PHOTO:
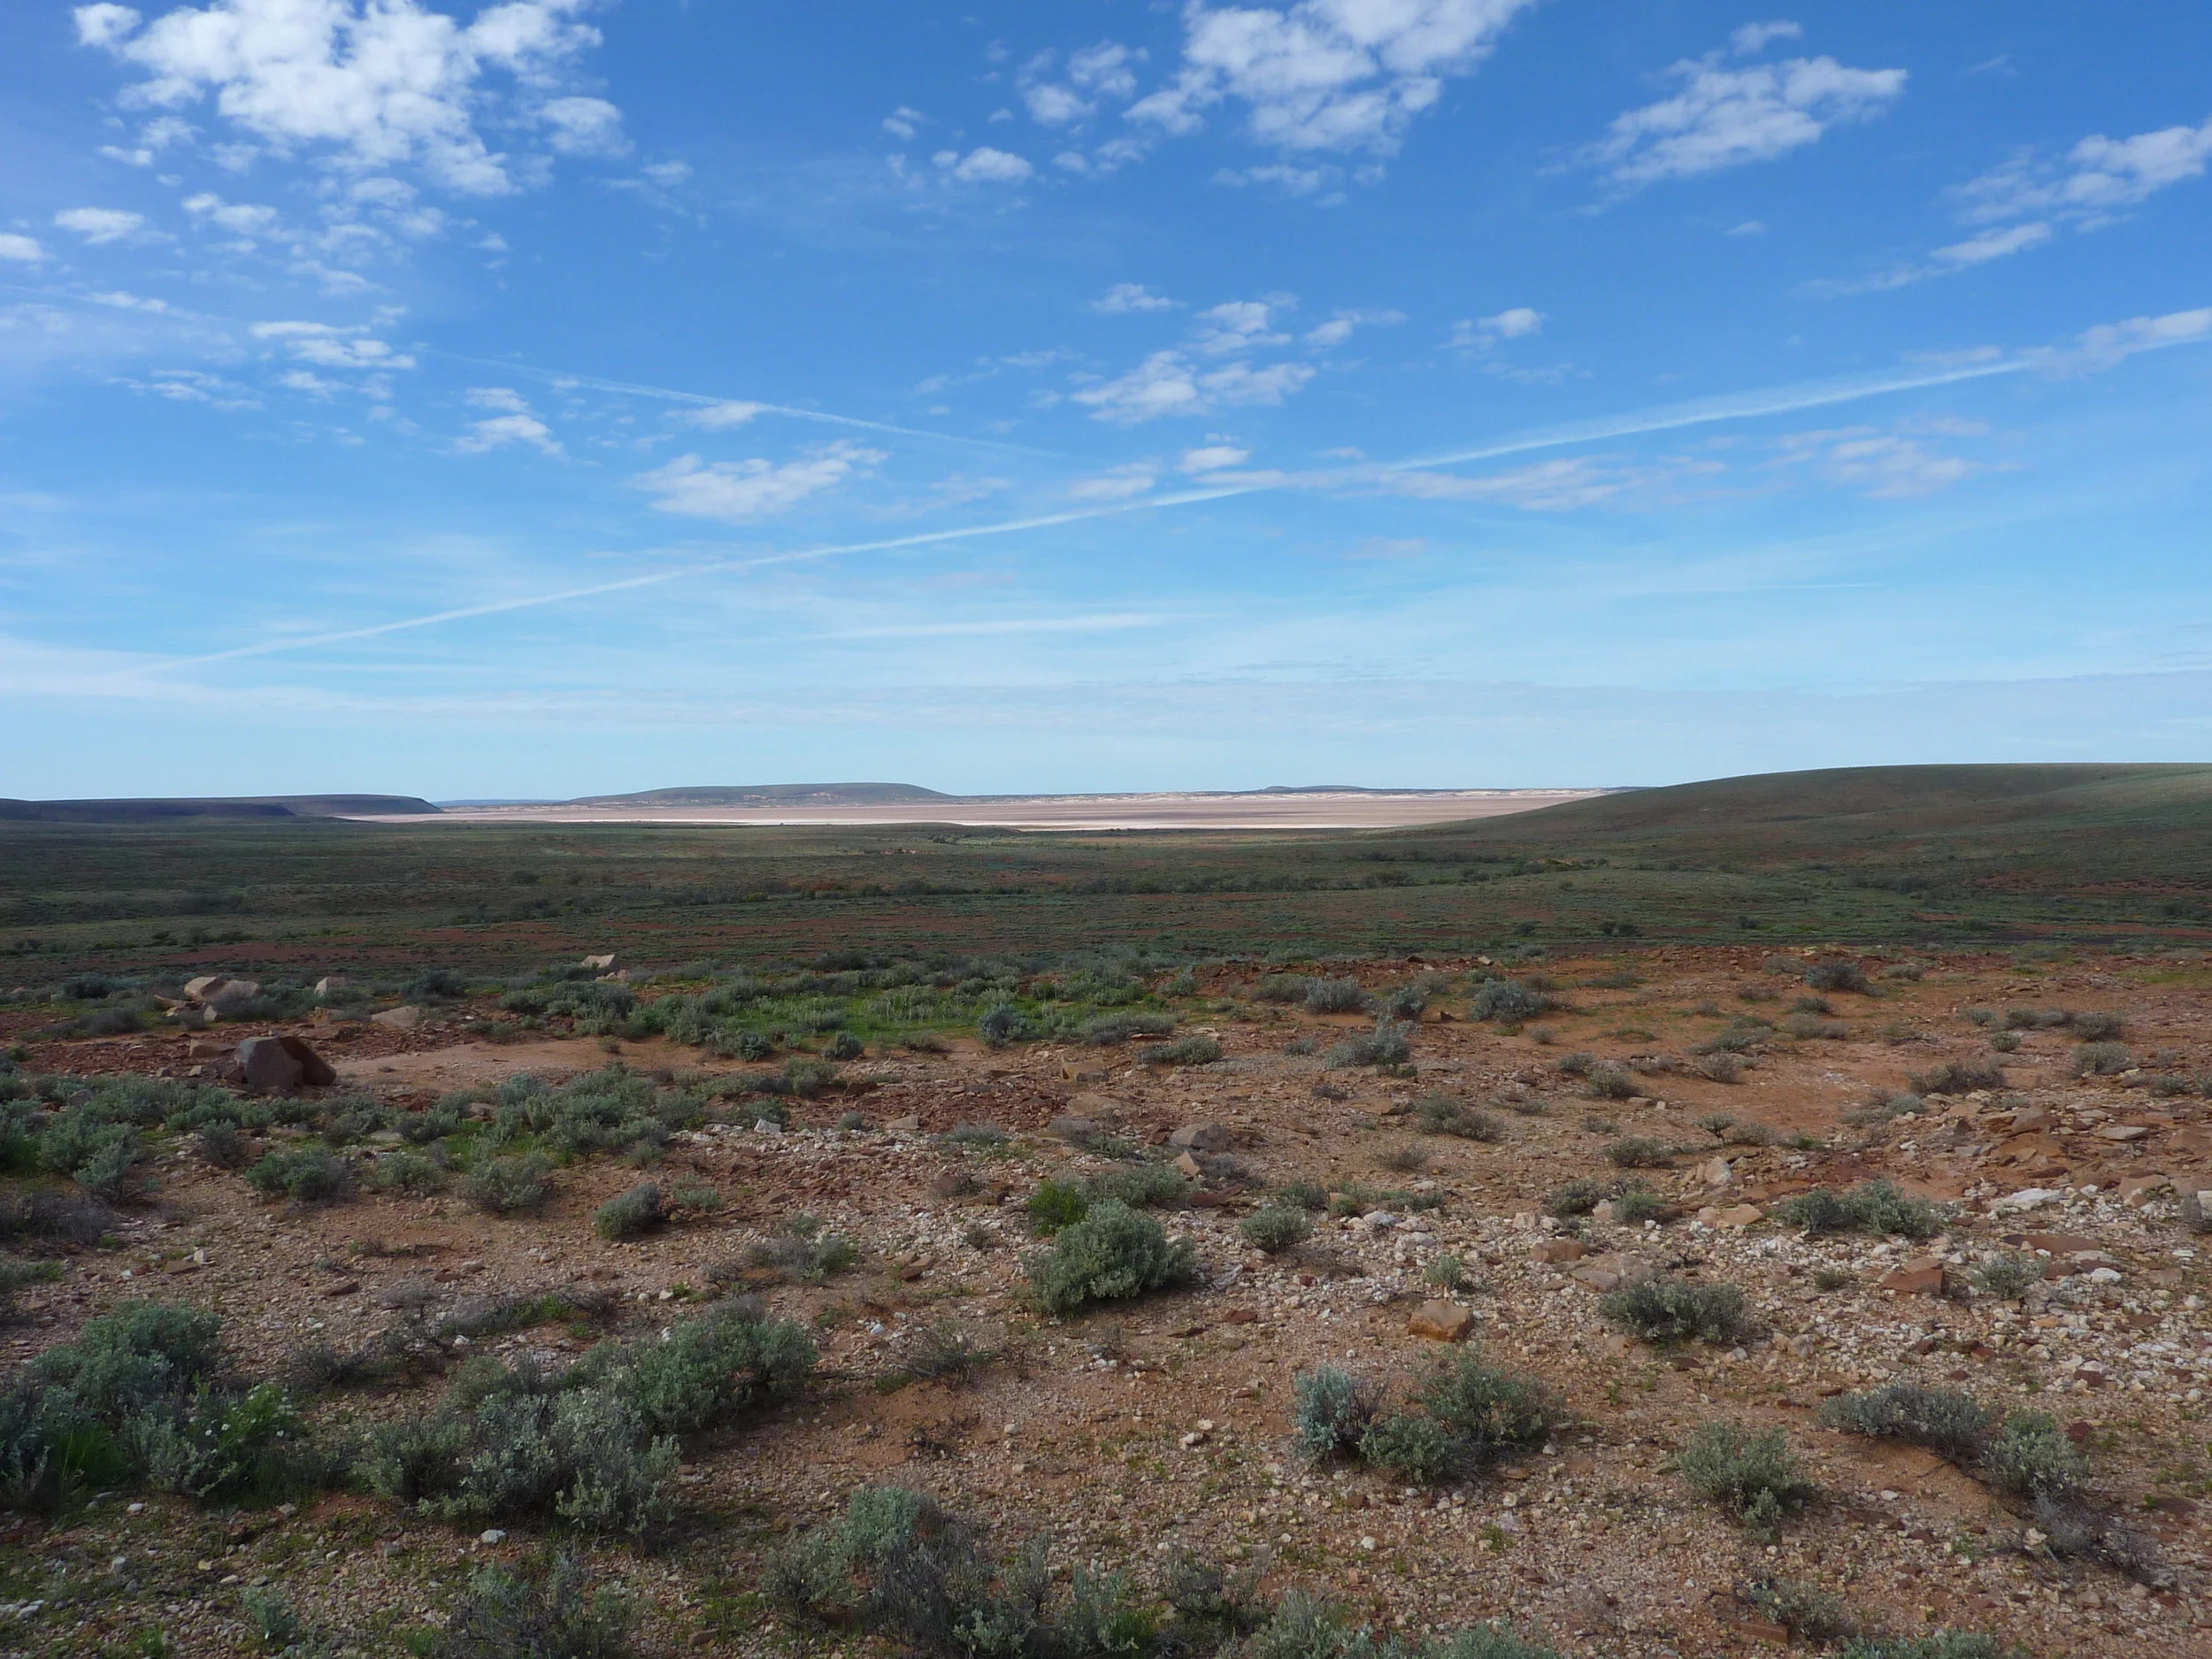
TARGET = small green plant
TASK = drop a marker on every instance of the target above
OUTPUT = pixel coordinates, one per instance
(2089, 1027)
(1141, 1187)
(551, 1615)
(272, 1617)
(1830, 1279)
(1837, 974)
(1389, 1044)
(1509, 1001)
(1958, 1077)
(2009, 1275)
(1577, 1197)
(943, 1351)
(409, 1173)
(1636, 1203)
(1111, 1253)
(1878, 1206)
(1943, 1420)
(1752, 1475)
(1608, 1082)
(1716, 1124)
(1191, 1050)
(1275, 1228)
(1056, 1204)
(1938, 1644)
(1330, 1411)
(1408, 1159)
(631, 1214)
(1442, 1115)
(1807, 1612)
(1334, 996)
(1447, 1272)
(509, 1186)
(2101, 1059)
(306, 1175)
(1662, 1309)
(1639, 1152)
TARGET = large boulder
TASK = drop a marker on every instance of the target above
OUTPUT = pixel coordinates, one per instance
(1202, 1138)
(600, 964)
(221, 992)
(280, 1064)
(329, 983)
(405, 1018)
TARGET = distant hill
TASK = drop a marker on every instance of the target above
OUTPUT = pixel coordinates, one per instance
(1879, 813)
(160, 810)
(769, 795)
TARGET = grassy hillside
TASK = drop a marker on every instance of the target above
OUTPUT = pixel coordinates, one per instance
(153, 810)
(1911, 856)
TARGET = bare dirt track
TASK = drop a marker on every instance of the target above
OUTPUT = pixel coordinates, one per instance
(1160, 812)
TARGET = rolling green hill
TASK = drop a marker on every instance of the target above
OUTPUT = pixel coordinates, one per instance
(1872, 812)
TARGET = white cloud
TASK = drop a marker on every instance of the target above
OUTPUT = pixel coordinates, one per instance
(1168, 383)
(717, 417)
(1131, 297)
(1241, 324)
(504, 398)
(245, 218)
(1326, 74)
(502, 430)
(22, 249)
(1281, 175)
(1994, 244)
(1725, 118)
(1212, 457)
(1118, 485)
(903, 123)
(1557, 486)
(1096, 72)
(99, 224)
(120, 300)
(585, 127)
(1340, 329)
(1883, 466)
(983, 166)
(381, 82)
(739, 490)
(332, 348)
(1483, 333)
(2098, 177)
(2101, 346)
(1754, 38)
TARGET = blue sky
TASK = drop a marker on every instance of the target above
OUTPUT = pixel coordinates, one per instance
(559, 396)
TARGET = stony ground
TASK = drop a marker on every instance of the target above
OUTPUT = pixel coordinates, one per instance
(1164, 1421)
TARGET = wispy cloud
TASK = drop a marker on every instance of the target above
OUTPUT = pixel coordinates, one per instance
(1324, 75)
(1727, 115)
(736, 492)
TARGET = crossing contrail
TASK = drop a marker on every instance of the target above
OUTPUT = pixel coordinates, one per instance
(1664, 417)
(749, 407)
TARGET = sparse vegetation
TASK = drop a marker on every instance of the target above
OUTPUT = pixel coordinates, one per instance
(1876, 1207)
(1662, 1310)
(1112, 1254)
(1276, 1228)
(1750, 1474)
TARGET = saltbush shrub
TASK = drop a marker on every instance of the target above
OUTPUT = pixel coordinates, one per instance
(2101, 1059)
(305, 1175)
(1662, 1310)
(1751, 1474)
(1196, 1049)
(2008, 1274)
(1508, 1000)
(1639, 1152)
(1111, 1253)
(1388, 1044)
(1837, 974)
(502, 1614)
(1275, 1228)
(631, 1214)
(505, 1187)
(1878, 1206)
(1330, 1411)
(1958, 1077)
(1943, 1420)
(1334, 996)
(1056, 1204)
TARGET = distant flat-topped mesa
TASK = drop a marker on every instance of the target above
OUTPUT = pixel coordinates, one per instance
(768, 794)
(263, 806)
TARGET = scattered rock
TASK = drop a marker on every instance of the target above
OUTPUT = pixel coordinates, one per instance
(1554, 1251)
(1072, 1129)
(1923, 1276)
(407, 1016)
(1440, 1322)
(328, 983)
(599, 965)
(1202, 1138)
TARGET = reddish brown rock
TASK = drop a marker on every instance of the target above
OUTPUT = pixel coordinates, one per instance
(1440, 1322)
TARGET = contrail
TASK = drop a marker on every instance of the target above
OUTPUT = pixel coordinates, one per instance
(1703, 411)
(1666, 418)
(701, 400)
